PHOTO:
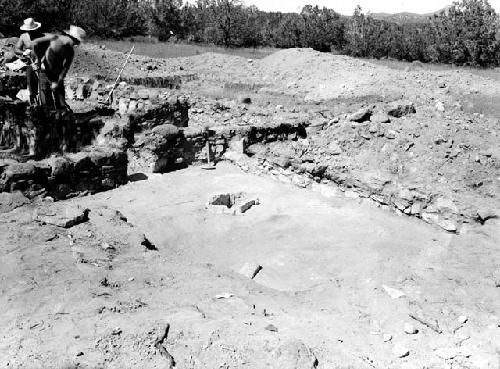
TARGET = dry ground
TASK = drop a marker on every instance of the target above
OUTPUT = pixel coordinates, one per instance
(69, 302)
(93, 296)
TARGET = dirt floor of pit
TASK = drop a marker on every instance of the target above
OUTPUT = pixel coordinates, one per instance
(93, 296)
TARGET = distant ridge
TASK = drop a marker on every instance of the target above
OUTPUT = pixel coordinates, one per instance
(406, 17)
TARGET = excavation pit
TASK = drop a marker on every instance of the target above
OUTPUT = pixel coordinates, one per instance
(231, 203)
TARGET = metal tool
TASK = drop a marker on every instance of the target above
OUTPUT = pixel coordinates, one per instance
(108, 100)
(209, 165)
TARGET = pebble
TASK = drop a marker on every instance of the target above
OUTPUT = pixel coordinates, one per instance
(400, 351)
(447, 353)
(387, 337)
(271, 328)
(462, 319)
(410, 329)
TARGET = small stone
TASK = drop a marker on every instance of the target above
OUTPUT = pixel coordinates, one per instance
(387, 337)
(392, 292)
(440, 107)
(400, 351)
(448, 225)
(271, 328)
(107, 247)
(410, 329)
(391, 134)
(462, 319)
(117, 331)
(447, 353)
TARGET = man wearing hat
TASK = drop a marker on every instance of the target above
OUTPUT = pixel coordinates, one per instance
(55, 54)
(23, 50)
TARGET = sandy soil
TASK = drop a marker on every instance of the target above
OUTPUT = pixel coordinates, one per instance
(92, 296)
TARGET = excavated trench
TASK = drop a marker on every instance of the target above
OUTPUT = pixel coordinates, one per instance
(148, 131)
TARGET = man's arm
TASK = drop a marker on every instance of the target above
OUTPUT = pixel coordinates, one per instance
(39, 45)
(20, 46)
(67, 64)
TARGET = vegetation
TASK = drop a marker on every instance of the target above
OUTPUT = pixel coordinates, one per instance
(467, 33)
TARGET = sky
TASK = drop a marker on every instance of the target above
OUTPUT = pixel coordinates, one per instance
(346, 7)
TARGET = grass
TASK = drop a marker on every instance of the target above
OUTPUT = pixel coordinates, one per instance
(167, 50)
(492, 73)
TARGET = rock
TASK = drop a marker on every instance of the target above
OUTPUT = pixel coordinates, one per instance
(293, 355)
(11, 201)
(80, 92)
(447, 224)
(447, 353)
(400, 351)
(245, 100)
(416, 209)
(271, 328)
(387, 337)
(485, 214)
(392, 292)
(224, 296)
(250, 270)
(380, 117)
(410, 329)
(391, 134)
(462, 319)
(64, 217)
(107, 247)
(316, 126)
(333, 148)
(399, 109)
(440, 107)
(361, 115)
(143, 94)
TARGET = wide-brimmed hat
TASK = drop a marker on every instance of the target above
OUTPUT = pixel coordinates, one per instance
(30, 25)
(77, 33)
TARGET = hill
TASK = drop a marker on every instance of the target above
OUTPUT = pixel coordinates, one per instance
(407, 17)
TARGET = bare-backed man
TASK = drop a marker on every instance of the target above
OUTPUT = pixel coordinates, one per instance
(55, 54)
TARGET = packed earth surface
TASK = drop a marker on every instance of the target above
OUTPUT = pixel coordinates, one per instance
(350, 220)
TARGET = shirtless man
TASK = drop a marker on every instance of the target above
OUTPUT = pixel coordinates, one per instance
(23, 50)
(55, 54)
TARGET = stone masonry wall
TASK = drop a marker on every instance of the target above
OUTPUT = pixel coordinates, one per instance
(92, 170)
(166, 147)
(37, 132)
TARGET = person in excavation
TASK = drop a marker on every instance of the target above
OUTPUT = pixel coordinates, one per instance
(24, 51)
(55, 55)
